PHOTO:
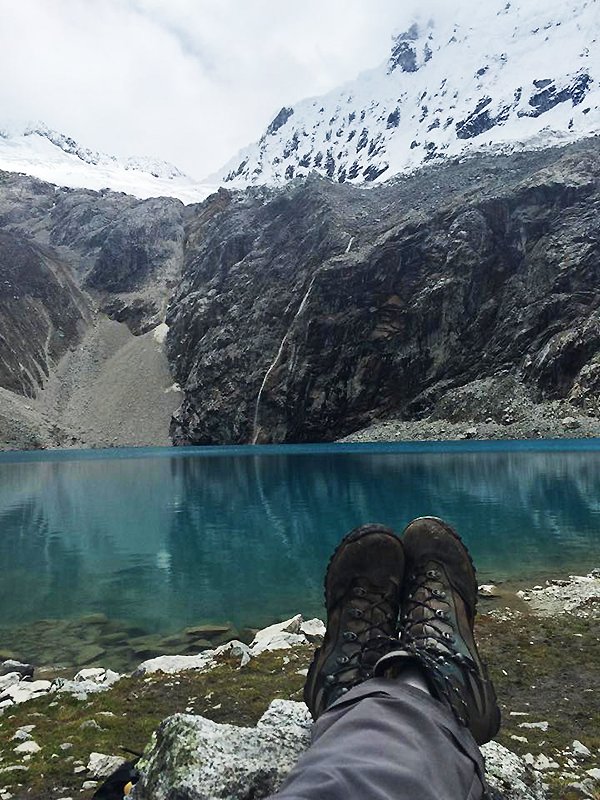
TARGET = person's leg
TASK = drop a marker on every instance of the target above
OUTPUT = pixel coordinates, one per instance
(387, 740)
(409, 733)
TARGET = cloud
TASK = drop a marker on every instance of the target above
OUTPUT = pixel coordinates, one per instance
(191, 81)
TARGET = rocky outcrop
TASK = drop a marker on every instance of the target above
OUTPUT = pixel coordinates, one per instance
(126, 252)
(42, 313)
(198, 759)
(305, 313)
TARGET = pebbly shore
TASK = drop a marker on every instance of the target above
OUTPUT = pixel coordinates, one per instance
(61, 737)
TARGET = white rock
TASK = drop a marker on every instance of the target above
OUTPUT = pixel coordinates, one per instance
(172, 664)
(542, 726)
(313, 628)
(196, 758)
(27, 748)
(519, 738)
(101, 766)
(90, 674)
(488, 590)
(543, 763)
(21, 736)
(10, 679)
(236, 649)
(280, 636)
(593, 773)
(580, 749)
(87, 681)
(24, 690)
(160, 332)
(570, 423)
(89, 785)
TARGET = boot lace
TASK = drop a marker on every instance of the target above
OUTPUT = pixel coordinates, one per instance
(433, 646)
(362, 649)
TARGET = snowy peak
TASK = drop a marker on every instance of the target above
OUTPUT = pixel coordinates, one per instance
(157, 168)
(407, 55)
(508, 76)
(54, 157)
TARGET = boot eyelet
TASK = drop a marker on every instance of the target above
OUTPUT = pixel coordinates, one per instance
(440, 613)
(360, 591)
(342, 659)
(448, 637)
(349, 636)
(432, 573)
(329, 680)
(356, 613)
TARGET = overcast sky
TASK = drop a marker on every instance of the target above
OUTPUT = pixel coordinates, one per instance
(190, 81)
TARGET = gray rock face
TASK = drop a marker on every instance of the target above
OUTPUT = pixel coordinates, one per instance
(42, 313)
(127, 252)
(304, 313)
(196, 759)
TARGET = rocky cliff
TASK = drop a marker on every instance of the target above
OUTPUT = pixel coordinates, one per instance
(307, 313)
(84, 278)
(304, 313)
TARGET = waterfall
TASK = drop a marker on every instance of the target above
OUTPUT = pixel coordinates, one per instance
(301, 307)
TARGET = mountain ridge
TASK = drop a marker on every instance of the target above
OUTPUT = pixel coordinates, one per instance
(446, 90)
(42, 152)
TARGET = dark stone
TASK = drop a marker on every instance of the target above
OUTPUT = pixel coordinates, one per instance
(480, 120)
(404, 55)
(280, 120)
(550, 96)
(393, 119)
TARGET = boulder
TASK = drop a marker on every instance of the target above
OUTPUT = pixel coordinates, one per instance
(193, 757)
(280, 636)
(198, 759)
(10, 666)
(101, 766)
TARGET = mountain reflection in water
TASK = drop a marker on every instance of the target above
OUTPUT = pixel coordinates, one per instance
(166, 539)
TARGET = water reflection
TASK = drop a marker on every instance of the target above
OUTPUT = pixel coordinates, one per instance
(165, 542)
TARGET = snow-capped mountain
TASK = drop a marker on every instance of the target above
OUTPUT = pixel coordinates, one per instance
(51, 156)
(511, 75)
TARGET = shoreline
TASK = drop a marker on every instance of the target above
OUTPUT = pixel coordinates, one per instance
(196, 637)
(545, 662)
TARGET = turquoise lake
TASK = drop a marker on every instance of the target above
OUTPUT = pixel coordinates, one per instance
(167, 538)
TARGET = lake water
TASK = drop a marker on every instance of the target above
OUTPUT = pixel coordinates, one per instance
(160, 539)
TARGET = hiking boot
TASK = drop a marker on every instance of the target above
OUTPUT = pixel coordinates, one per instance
(362, 597)
(436, 626)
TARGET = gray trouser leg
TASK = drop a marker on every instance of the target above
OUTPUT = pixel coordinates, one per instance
(385, 740)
